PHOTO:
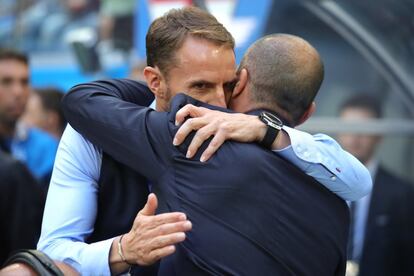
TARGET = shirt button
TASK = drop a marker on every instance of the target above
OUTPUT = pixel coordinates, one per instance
(333, 177)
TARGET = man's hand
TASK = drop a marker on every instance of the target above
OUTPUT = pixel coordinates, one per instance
(151, 238)
(224, 126)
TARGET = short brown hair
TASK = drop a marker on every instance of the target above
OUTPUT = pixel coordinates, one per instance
(363, 100)
(168, 32)
(285, 72)
(14, 55)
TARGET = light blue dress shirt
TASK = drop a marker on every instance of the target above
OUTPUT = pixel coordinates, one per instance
(70, 209)
(361, 215)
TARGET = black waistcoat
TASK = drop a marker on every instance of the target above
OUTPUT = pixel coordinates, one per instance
(122, 194)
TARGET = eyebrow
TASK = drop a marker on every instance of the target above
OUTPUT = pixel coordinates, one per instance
(194, 82)
(233, 81)
(201, 81)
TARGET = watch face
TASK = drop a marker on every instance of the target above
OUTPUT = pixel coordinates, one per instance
(271, 120)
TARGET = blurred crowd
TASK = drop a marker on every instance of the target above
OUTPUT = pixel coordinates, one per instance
(88, 27)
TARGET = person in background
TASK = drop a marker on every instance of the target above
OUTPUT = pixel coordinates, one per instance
(44, 111)
(381, 238)
(21, 207)
(137, 71)
(116, 23)
(32, 146)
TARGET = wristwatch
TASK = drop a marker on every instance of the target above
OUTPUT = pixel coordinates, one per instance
(274, 125)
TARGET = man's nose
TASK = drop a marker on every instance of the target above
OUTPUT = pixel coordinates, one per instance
(18, 88)
(220, 99)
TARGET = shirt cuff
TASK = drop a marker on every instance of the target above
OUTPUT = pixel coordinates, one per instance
(96, 258)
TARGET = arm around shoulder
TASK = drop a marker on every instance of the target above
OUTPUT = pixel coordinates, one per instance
(322, 157)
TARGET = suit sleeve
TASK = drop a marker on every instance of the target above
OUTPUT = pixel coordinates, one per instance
(113, 115)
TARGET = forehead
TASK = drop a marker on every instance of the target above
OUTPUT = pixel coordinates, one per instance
(202, 58)
(355, 113)
(11, 66)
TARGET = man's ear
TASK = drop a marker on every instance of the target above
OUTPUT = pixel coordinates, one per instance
(307, 113)
(241, 83)
(153, 77)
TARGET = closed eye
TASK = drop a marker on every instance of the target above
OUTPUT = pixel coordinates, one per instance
(202, 85)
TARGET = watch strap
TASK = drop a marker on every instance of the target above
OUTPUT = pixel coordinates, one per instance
(270, 136)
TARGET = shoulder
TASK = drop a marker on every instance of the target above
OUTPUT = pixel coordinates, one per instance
(7, 163)
(76, 151)
(40, 137)
(13, 172)
(389, 178)
(77, 145)
(126, 84)
(129, 86)
(393, 184)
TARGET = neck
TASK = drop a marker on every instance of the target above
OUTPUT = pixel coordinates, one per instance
(56, 133)
(161, 106)
(282, 114)
(245, 103)
(241, 103)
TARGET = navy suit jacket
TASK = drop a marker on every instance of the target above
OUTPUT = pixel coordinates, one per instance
(389, 235)
(253, 213)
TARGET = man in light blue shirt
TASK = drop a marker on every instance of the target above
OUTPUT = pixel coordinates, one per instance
(74, 187)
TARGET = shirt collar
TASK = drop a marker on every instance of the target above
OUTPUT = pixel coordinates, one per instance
(258, 111)
(22, 132)
(372, 166)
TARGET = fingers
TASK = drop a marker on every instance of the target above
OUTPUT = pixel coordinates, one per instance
(151, 222)
(214, 145)
(151, 206)
(169, 228)
(158, 220)
(188, 110)
(161, 252)
(201, 135)
(154, 237)
(183, 113)
(162, 246)
(186, 128)
(167, 240)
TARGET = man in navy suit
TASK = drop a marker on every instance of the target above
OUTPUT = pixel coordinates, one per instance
(381, 239)
(252, 212)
